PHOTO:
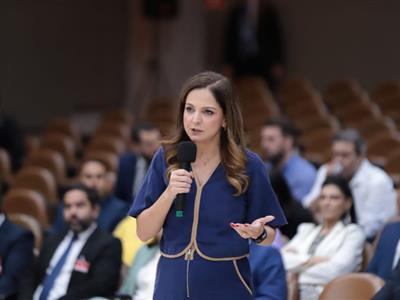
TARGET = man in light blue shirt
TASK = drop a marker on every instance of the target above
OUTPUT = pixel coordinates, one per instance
(278, 141)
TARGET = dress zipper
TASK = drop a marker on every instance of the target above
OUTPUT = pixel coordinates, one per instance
(188, 257)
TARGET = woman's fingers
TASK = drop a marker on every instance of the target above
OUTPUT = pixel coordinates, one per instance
(264, 220)
(247, 230)
(180, 182)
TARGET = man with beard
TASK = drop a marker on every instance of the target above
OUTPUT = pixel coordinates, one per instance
(79, 263)
(278, 140)
(94, 174)
(133, 165)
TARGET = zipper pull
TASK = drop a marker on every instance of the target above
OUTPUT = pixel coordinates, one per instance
(189, 254)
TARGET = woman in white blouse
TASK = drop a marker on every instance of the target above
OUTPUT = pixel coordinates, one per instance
(319, 253)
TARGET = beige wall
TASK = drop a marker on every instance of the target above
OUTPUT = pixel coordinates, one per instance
(331, 39)
(57, 57)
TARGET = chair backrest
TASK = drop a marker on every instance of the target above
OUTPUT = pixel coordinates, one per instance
(107, 142)
(32, 143)
(37, 179)
(119, 129)
(5, 166)
(110, 159)
(29, 202)
(353, 286)
(50, 160)
(62, 144)
(119, 115)
(65, 127)
(31, 224)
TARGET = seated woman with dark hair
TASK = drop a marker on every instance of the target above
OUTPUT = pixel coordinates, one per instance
(319, 253)
(294, 211)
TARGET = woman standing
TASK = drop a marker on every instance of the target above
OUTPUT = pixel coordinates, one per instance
(229, 199)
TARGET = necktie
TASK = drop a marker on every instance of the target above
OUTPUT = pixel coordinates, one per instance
(51, 278)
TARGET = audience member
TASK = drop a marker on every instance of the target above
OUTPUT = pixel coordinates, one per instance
(254, 42)
(268, 272)
(12, 139)
(387, 252)
(391, 289)
(294, 211)
(126, 233)
(318, 254)
(279, 143)
(16, 253)
(133, 165)
(94, 174)
(81, 262)
(141, 278)
(372, 188)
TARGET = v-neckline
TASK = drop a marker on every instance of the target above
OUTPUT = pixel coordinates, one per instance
(213, 170)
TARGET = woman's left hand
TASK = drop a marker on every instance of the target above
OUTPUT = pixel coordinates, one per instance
(253, 230)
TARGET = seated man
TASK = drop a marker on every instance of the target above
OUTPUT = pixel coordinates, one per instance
(133, 165)
(391, 289)
(82, 261)
(16, 253)
(279, 143)
(387, 253)
(94, 174)
(373, 192)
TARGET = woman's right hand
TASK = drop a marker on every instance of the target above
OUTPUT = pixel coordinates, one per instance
(179, 182)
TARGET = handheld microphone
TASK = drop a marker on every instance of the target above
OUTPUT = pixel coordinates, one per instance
(186, 154)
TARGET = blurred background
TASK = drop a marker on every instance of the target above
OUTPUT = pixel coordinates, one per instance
(65, 57)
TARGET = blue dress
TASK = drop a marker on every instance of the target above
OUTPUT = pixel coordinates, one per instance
(202, 256)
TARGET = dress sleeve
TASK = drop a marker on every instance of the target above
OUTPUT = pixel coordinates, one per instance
(261, 199)
(153, 185)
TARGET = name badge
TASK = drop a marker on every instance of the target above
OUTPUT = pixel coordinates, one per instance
(82, 265)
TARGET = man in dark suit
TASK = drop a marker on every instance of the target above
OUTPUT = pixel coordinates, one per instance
(387, 251)
(16, 253)
(254, 42)
(391, 289)
(133, 165)
(94, 174)
(81, 262)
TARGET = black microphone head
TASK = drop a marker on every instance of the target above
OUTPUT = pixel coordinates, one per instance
(186, 152)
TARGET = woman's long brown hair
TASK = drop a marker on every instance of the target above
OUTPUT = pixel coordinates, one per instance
(232, 145)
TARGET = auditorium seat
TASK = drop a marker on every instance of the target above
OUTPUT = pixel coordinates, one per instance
(107, 142)
(120, 115)
(380, 146)
(385, 89)
(63, 144)
(110, 159)
(32, 143)
(29, 223)
(116, 128)
(341, 88)
(50, 160)
(295, 85)
(5, 166)
(37, 179)
(371, 127)
(353, 286)
(26, 201)
(66, 127)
